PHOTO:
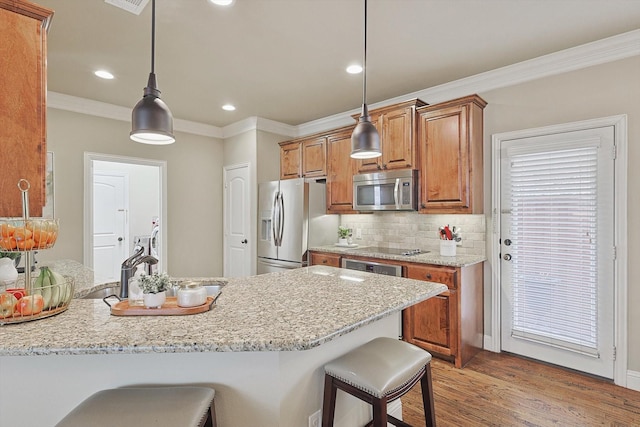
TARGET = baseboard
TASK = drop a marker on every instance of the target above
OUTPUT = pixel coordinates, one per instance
(633, 380)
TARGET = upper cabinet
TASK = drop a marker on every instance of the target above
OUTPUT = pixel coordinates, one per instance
(396, 125)
(304, 157)
(340, 170)
(290, 160)
(23, 32)
(450, 149)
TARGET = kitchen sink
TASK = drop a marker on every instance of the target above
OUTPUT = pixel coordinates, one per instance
(102, 293)
(212, 289)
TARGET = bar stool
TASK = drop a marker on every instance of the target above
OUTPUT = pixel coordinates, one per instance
(182, 406)
(379, 372)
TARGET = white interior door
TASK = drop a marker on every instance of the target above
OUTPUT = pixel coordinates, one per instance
(110, 208)
(237, 221)
(557, 248)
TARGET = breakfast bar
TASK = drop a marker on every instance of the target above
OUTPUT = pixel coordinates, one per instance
(262, 347)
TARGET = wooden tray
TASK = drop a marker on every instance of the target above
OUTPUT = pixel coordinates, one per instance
(169, 308)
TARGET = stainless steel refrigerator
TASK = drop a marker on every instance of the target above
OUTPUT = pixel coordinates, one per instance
(291, 218)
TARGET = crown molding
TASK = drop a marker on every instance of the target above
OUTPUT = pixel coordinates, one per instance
(75, 104)
(587, 55)
(610, 49)
(261, 124)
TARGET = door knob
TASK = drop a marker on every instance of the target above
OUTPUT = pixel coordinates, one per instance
(245, 241)
(507, 257)
(120, 239)
(507, 242)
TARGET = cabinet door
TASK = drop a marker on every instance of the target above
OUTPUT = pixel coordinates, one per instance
(340, 167)
(450, 151)
(23, 76)
(314, 157)
(325, 259)
(290, 154)
(397, 139)
(432, 324)
(444, 168)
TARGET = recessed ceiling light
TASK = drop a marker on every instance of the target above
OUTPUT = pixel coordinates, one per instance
(104, 74)
(354, 69)
(228, 107)
(222, 2)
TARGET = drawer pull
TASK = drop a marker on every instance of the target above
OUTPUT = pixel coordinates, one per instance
(324, 261)
(428, 276)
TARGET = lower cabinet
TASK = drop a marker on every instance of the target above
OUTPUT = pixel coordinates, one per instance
(449, 325)
(320, 258)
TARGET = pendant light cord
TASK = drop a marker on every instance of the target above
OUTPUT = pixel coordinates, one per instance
(153, 35)
(364, 61)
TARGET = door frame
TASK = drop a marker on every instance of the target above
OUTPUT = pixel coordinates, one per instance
(619, 124)
(88, 200)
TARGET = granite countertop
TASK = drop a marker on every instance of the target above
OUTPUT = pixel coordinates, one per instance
(432, 257)
(294, 310)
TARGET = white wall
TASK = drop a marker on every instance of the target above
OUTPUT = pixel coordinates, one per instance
(599, 91)
(194, 190)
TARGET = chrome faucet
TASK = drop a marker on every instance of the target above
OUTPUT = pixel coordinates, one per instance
(129, 267)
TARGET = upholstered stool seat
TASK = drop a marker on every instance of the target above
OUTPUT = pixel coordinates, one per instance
(144, 407)
(379, 372)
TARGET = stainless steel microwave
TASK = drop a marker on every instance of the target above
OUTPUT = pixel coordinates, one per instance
(386, 191)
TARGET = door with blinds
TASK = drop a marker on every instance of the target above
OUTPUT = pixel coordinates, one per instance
(557, 249)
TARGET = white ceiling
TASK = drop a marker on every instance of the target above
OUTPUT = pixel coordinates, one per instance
(285, 60)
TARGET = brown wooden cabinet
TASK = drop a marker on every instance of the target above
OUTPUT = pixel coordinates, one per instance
(304, 157)
(290, 160)
(22, 104)
(396, 125)
(449, 325)
(450, 150)
(314, 157)
(340, 170)
(323, 258)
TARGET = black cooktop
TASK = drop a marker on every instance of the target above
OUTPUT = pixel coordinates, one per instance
(392, 251)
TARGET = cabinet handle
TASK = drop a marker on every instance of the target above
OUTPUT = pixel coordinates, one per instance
(324, 261)
(423, 205)
(428, 275)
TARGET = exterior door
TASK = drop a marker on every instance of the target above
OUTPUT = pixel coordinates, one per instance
(110, 208)
(237, 222)
(557, 248)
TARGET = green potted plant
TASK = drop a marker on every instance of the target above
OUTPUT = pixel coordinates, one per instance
(154, 289)
(343, 235)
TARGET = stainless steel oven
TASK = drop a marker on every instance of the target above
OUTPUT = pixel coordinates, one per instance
(372, 267)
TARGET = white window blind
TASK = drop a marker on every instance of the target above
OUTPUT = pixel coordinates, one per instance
(554, 227)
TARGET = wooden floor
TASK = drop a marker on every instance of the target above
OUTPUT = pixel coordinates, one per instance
(506, 390)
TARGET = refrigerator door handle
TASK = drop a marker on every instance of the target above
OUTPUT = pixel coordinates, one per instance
(396, 189)
(282, 219)
(275, 218)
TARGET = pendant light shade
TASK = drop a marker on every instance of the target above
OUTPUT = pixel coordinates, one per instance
(151, 119)
(365, 140)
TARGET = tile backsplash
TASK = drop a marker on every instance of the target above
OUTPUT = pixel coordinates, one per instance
(412, 230)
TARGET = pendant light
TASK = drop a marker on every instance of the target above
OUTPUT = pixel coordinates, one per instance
(151, 120)
(365, 140)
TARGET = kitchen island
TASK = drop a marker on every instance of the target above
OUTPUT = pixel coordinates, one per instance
(262, 347)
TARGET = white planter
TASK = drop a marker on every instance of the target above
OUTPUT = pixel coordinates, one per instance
(8, 272)
(154, 300)
(343, 241)
(447, 247)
